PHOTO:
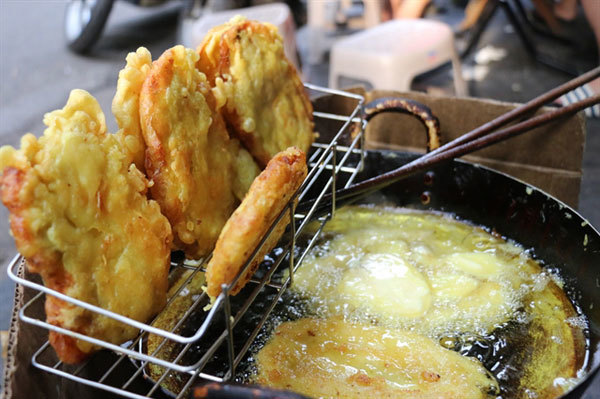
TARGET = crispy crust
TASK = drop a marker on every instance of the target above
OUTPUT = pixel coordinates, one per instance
(75, 201)
(267, 197)
(194, 165)
(258, 90)
(333, 358)
(125, 104)
(46, 263)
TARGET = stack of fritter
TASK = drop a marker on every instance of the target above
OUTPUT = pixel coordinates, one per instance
(78, 201)
(80, 217)
(257, 88)
(197, 169)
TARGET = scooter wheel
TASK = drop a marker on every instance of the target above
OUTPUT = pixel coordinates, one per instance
(84, 21)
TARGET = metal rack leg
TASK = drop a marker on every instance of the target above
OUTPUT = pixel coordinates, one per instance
(480, 28)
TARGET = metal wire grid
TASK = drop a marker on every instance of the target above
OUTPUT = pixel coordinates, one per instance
(330, 160)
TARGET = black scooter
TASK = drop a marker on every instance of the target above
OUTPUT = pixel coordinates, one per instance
(85, 19)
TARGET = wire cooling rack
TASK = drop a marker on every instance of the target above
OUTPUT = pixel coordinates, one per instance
(330, 165)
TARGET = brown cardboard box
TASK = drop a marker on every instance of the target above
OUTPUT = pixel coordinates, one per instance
(549, 157)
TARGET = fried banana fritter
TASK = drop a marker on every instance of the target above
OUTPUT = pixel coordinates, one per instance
(257, 89)
(198, 172)
(332, 358)
(266, 198)
(80, 217)
(125, 105)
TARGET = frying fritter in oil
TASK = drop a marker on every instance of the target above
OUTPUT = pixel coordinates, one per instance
(257, 89)
(196, 169)
(267, 197)
(80, 217)
(125, 105)
(332, 358)
(168, 320)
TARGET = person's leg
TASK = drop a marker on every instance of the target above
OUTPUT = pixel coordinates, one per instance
(473, 11)
(547, 14)
(387, 11)
(409, 8)
(591, 8)
(566, 9)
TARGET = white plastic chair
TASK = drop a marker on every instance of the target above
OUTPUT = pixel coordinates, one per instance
(390, 55)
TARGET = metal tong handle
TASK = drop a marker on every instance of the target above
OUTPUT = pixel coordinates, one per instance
(410, 107)
(476, 139)
(215, 390)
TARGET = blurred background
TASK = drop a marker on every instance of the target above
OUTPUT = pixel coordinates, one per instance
(46, 51)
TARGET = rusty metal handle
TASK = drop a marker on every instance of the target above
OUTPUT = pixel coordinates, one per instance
(410, 107)
(215, 390)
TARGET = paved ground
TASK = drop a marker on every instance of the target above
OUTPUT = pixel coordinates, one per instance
(37, 72)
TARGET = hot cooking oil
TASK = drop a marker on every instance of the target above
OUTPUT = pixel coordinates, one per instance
(472, 291)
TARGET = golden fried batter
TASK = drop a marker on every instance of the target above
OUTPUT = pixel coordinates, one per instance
(125, 105)
(336, 359)
(266, 198)
(196, 169)
(257, 88)
(80, 217)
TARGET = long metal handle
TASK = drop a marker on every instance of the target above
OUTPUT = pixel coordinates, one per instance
(410, 107)
(231, 391)
(452, 150)
(449, 151)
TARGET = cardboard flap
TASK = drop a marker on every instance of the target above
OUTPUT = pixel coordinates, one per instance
(549, 157)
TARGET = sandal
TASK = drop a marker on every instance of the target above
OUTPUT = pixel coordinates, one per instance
(579, 94)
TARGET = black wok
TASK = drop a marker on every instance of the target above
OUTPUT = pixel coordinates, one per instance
(553, 231)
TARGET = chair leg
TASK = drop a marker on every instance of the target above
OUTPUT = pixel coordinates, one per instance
(484, 19)
(460, 86)
(514, 21)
